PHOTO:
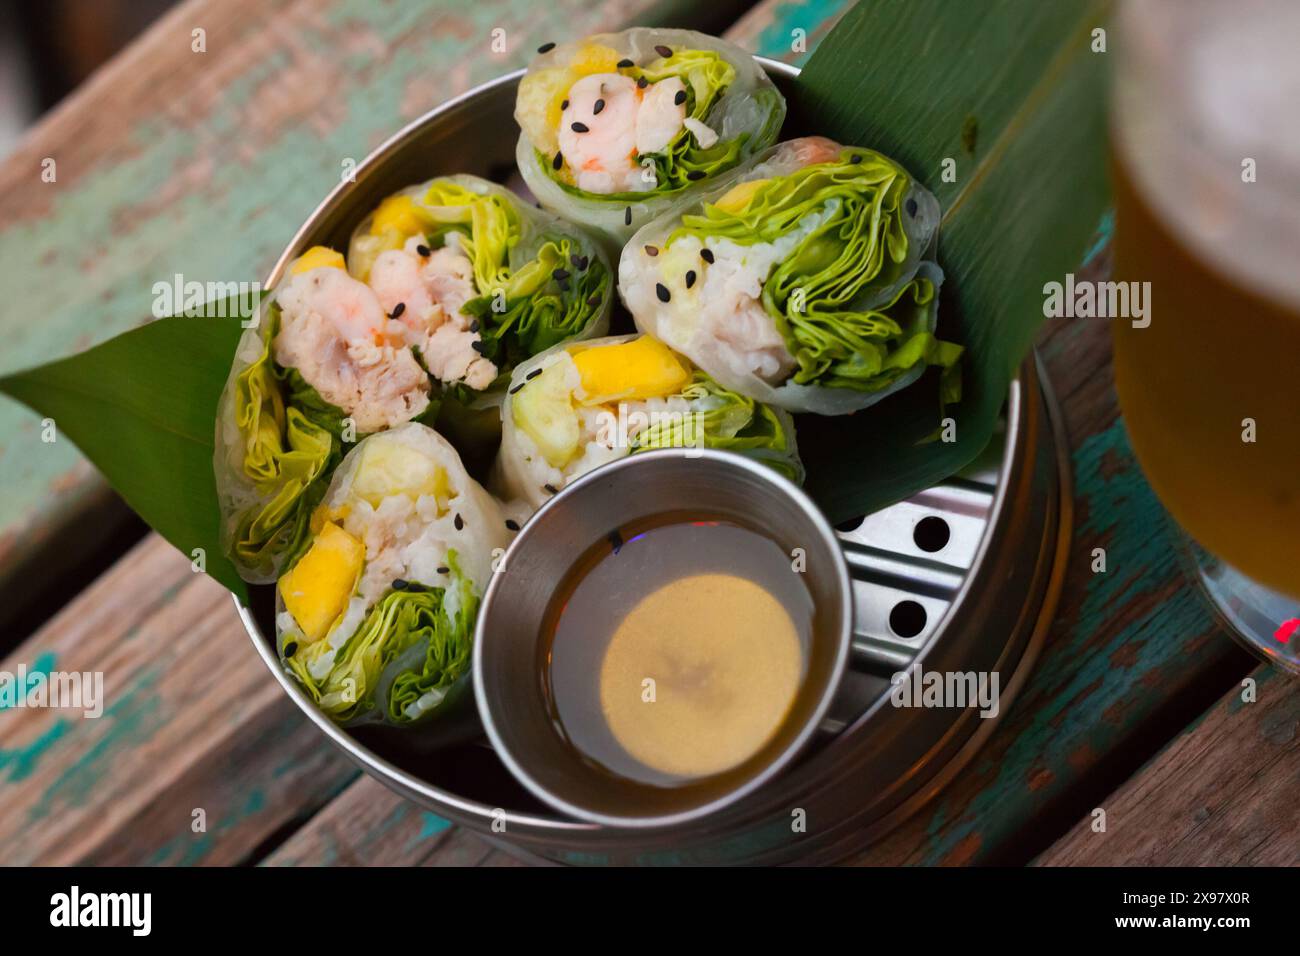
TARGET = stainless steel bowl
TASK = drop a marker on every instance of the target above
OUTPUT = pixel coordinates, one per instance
(507, 651)
(988, 596)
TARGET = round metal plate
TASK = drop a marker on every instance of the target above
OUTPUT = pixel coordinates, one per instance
(963, 577)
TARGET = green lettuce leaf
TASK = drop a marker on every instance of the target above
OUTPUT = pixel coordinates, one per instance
(730, 422)
(825, 297)
(289, 454)
(408, 645)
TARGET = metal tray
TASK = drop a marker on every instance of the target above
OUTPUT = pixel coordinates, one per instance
(962, 577)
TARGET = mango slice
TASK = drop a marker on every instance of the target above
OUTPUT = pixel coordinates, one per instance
(317, 257)
(630, 371)
(318, 589)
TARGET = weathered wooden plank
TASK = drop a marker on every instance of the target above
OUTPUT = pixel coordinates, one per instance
(191, 722)
(369, 825)
(1223, 793)
(205, 163)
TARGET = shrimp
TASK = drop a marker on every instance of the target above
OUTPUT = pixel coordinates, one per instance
(335, 333)
(599, 142)
(432, 291)
(348, 305)
(660, 118)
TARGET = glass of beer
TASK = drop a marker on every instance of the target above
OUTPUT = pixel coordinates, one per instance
(1205, 139)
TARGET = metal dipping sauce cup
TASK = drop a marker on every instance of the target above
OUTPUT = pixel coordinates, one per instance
(509, 644)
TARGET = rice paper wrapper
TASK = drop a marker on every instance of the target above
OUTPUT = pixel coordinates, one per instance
(400, 652)
(701, 414)
(747, 118)
(716, 312)
(271, 460)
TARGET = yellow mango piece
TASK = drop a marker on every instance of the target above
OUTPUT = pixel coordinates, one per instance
(317, 257)
(630, 371)
(317, 590)
(738, 196)
(397, 214)
(595, 58)
(324, 513)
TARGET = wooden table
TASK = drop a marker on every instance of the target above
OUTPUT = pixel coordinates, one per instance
(174, 161)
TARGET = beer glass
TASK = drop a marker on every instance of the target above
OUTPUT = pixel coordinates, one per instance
(1205, 140)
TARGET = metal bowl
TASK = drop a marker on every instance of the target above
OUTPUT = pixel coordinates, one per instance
(985, 599)
(511, 698)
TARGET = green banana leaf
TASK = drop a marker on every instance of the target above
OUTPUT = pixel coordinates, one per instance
(142, 406)
(1010, 91)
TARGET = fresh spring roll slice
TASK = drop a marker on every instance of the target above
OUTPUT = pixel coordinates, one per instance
(618, 126)
(800, 281)
(579, 406)
(376, 619)
(324, 365)
(481, 279)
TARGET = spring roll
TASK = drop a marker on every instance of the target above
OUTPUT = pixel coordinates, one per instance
(376, 618)
(801, 281)
(579, 406)
(446, 287)
(619, 126)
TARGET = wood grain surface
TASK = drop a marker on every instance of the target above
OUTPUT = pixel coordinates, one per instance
(1223, 793)
(168, 163)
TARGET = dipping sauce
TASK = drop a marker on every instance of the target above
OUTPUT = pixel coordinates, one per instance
(674, 651)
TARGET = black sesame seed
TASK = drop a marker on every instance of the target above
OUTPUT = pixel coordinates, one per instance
(651, 251)
(855, 158)
(680, 98)
(477, 346)
(291, 649)
(516, 388)
(579, 127)
(642, 82)
(579, 262)
(424, 251)
(911, 207)
(546, 48)
(564, 105)
(399, 584)
(661, 290)
(624, 64)
(600, 105)
(627, 216)
(459, 523)
(707, 255)
(473, 325)
(558, 161)
(444, 569)
(559, 275)
(512, 524)
(398, 310)
(664, 51)
(533, 374)
(695, 174)
(690, 278)
(551, 488)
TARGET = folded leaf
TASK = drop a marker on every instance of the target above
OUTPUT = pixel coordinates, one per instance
(142, 407)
